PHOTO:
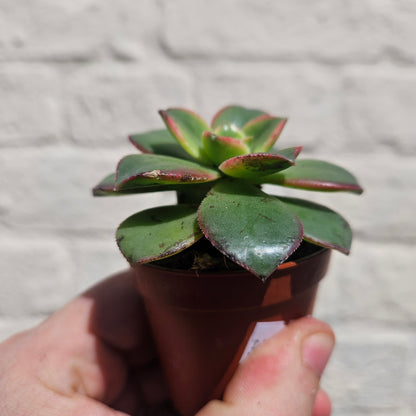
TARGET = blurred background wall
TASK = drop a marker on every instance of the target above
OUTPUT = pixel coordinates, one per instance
(77, 76)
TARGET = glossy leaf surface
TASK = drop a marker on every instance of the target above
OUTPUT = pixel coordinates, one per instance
(160, 142)
(106, 187)
(158, 233)
(219, 148)
(321, 225)
(187, 127)
(236, 115)
(316, 175)
(253, 229)
(149, 169)
(230, 130)
(254, 165)
(265, 131)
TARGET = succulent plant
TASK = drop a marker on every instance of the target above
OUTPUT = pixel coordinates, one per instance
(218, 171)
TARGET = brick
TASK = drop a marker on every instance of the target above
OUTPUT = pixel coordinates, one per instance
(36, 276)
(308, 94)
(366, 371)
(50, 189)
(107, 104)
(5, 203)
(385, 211)
(374, 285)
(325, 30)
(328, 299)
(352, 109)
(94, 260)
(410, 379)
(378, 107)
(30, 105)
(46, 29)
(133, 29)
(81, 30)
(367, 412)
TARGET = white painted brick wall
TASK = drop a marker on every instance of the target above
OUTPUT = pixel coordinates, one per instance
(77, 77)
(39, 104)
(117, 99)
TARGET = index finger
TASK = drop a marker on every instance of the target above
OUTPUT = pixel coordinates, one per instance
(117, 313)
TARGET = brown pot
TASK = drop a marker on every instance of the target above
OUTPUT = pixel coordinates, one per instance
(202, 322)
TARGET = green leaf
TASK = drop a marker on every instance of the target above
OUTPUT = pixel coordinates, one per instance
(107, 188)
(160, 142)
(187, 127)
(149, 169)
(254, 165)
(220, 148)
(265, 130)
(230, 130)
(255, 230)
(157, 233)
(321, 225)
(316, 175)
(291, 153)
(235, 115)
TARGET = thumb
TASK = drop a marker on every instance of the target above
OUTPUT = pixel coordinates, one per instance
(78, 405)
(82, 406)
(281, 376)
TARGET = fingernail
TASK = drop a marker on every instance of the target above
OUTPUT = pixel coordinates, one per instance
(316, 350)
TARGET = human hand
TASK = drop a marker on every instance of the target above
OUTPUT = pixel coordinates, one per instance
(95, 357)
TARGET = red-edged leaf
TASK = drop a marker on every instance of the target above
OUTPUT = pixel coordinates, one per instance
(316, 175)
(321, 225)
(160, 142)
(265, 130)
(253, 165)
(255, 230)
(220, 148)
(149, 169)
(291, 153)
(235, 115)
(106, 187)
(187, 127)
(157, 233)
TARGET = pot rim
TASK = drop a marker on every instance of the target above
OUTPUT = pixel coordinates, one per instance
(287, 265)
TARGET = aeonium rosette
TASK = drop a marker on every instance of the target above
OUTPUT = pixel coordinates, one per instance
(217, 171)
